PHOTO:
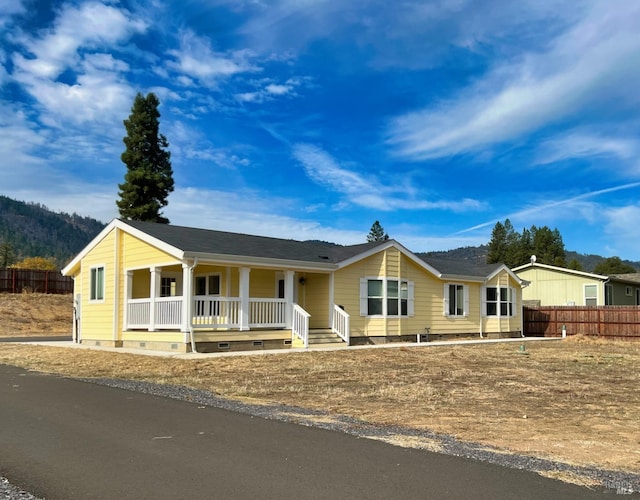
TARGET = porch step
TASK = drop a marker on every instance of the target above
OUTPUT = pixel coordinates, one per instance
(324, 338)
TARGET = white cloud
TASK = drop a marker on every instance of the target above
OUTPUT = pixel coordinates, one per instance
(90, 26)
(196, 60)
(9, 8)
(368, 192)
(586, 144)
(595, 64)
(249, 213)
(622, 229)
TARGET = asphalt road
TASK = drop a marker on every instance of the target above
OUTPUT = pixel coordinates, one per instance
(66, 439)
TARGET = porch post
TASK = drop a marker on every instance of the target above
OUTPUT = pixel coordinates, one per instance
(128, 293)
(187, 298)
(288, 298)
(244, 298)
(154, 293)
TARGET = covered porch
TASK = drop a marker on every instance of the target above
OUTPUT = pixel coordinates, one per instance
(200, 299)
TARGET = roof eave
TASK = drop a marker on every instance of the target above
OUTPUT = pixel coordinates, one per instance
(268, 262)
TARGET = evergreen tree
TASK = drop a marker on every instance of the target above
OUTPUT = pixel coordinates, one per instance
(512, 249)
(7, 255)
(377, 233)
(575, 265)
(149, 177)
(498, 244)
(613, 265)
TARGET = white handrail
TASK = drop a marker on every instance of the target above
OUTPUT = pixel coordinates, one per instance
(300, 324)
(341, 323)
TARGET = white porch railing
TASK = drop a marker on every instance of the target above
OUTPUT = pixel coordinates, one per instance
(267, 313)
(208, 312)
(340, 323)
(138, 313)
(216, 312)
(300, 324)
(168, 312)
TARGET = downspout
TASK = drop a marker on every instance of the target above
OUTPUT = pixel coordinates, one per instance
(191, 336)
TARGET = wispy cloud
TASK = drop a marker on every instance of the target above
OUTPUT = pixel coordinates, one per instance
(197, 60)
(368, 191)
(536, 90)
(586, 144)
(543, 210)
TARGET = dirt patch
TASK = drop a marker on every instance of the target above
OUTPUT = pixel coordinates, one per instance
(35, 314)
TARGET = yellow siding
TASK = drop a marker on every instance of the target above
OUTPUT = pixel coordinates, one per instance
(139, 254)
(555, 288)
(97, 316)
(313, 297)
(428, 300)
(263, 284)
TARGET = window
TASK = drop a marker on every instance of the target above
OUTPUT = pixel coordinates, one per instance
(97, 283)
(386, 297)
(628, 291)
(375, 297)
(456, 300)
(591, 295)
(499, 301)
(208, 285)
(167, 287)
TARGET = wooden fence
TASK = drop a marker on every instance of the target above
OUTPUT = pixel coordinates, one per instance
(614, 322)
(33, 280)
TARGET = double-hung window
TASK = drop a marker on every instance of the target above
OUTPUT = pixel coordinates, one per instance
(499, 301)
(97, 283)
(386, 297)
(456, 300)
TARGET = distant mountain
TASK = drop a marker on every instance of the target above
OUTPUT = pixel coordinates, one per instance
(478, 255)
(33, 230)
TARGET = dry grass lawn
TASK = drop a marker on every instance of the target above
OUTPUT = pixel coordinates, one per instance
(575, 401)
(35, 314)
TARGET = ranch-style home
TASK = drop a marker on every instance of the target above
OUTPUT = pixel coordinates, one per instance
(558, 286)
(159, 286)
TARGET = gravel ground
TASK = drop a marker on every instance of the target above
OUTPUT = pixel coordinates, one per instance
(619, 482)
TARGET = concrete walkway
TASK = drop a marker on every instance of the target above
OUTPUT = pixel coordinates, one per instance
(196, 355)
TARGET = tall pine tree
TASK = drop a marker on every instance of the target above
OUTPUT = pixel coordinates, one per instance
(377, 233)
(149, 177)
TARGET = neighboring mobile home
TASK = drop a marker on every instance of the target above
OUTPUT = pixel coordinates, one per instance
(558, 286)
(159, 286)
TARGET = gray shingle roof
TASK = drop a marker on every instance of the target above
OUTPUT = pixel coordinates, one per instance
(207, 241)
(460, 267)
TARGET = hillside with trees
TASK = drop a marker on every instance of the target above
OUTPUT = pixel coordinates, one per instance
(32, 230)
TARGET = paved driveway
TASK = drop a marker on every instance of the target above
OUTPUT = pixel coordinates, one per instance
(66, 439)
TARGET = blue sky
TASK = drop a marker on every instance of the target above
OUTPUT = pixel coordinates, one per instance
(311, 119)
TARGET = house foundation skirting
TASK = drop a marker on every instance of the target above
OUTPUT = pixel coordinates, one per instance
(101, 343)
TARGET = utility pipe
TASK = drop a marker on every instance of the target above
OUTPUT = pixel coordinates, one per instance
(190, 316)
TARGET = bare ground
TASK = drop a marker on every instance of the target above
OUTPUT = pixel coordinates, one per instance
(574, 401)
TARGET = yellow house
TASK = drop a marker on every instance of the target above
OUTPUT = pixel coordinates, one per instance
(558, 286)
(158, 286)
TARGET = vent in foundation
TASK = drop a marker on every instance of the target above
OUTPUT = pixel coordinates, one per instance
(143, 344)
(97, 342)
(287, 342)
(174, 346)
(223, 345)
(258, 343)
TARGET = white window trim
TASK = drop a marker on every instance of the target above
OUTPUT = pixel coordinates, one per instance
(584, 293)
(465, 305)
(512, 295)
(91, 284)
(364, 297)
